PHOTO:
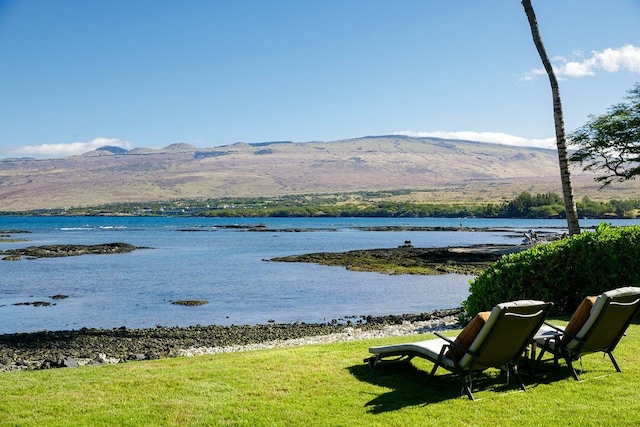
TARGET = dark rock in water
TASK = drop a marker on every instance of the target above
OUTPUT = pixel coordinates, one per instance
(54, 251)
(35, 303)
(58, 296)
(190, 302)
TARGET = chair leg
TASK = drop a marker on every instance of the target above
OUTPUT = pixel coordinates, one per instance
(573, 370)
(514, 369)
(432, 373)
(372, 361)
(542, 352)
(437, 362)
(613, 360)
(467, 384)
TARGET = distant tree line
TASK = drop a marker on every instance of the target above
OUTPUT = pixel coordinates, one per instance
(550, 205)
(525, 205)
(547, 205)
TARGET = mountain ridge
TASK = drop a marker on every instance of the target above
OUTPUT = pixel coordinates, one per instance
(437, 170)
(189, 147)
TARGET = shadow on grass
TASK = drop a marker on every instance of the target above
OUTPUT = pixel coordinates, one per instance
(409, 386)
(545, 371)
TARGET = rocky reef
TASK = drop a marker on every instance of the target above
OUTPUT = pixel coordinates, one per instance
(54, 251)
(407, 259)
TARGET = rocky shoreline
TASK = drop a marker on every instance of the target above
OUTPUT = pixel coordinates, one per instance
(57, 349)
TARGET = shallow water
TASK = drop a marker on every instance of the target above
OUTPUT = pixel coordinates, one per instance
(226, 267)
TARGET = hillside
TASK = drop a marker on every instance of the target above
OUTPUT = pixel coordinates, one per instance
(438, 170)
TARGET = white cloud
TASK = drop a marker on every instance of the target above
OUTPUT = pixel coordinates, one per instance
(625, 58)
(490, 137)
(578, 69)
(69, 149)
(530, 75)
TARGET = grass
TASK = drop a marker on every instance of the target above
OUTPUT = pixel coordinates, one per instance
(316, 385)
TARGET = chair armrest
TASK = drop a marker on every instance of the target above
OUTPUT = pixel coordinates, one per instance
(452, 343)
(561, 331)
(557, 328)
(449, 340)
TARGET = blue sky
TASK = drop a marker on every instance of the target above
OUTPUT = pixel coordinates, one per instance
(78, 74)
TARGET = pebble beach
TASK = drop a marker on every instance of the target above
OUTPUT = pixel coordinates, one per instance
(59, 349)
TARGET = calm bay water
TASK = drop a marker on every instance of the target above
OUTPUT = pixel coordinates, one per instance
(226, 267)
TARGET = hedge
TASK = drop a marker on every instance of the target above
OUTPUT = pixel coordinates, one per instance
(562, 271)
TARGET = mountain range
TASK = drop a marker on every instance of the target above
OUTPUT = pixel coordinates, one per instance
(435, 170)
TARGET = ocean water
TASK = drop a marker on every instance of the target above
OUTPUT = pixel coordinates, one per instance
(227, 267)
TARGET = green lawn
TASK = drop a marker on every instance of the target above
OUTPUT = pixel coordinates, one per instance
(316, 385)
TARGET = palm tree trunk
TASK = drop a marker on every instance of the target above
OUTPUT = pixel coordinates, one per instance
(561, 142)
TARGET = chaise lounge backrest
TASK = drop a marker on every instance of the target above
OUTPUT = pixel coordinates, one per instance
(611, 314)
(506, 333)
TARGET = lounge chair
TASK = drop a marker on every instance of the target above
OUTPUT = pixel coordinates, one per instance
(597, 325)
(492, 339)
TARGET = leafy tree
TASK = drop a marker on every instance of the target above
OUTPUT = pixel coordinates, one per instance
(563, 156)
(611, 142)
(539, 206)
(518, 207)
(589, 208)
(546, 211)
(625, 208)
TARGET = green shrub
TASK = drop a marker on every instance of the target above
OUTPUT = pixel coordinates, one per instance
(563, 271)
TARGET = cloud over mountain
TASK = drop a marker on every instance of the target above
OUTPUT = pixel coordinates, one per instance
(68, 149)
